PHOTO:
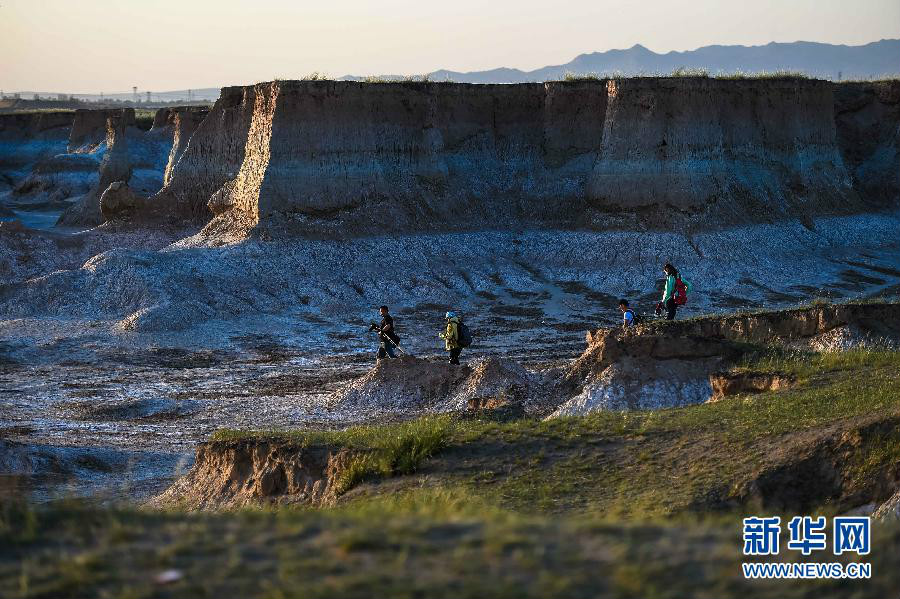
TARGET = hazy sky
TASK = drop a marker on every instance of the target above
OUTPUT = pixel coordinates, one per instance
(89, 46)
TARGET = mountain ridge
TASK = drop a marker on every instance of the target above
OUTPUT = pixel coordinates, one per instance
(815, 59)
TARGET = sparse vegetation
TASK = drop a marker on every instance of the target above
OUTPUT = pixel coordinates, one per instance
(381, 450)
(612, 462)
(314, 76)
(689, 72)
(887, 78)
(438, 545)
(700, 73)
(779, 74)
(571, 77)
(425, 78)
(143, 118)
(611, 504)
(35, 110)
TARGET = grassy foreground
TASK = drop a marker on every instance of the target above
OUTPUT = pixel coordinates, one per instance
(432, 544)
(641, 504)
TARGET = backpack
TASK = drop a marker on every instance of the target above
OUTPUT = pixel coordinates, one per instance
(635, 319)
(680, 294)
(463, 335)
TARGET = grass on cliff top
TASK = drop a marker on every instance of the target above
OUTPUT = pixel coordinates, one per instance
(572, 77)
(777, 74)
(143, 118)
(686, 72)
(382, 450)
(817, 302)
(427, 429)
(35, 110)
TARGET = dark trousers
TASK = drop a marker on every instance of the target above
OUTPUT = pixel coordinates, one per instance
(670, 308)
(454, 355)
(386, 349)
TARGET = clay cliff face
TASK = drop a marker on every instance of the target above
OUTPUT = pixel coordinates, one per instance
(184, 123)
(738, 151)
(115, 166)
(89, 129)
(49, 159)
(26, 138)
(868, 131)
(328, 157)
(392, 157)
(209, 158)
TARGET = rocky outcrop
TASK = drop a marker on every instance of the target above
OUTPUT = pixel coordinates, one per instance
(118, 201)
(32, 125)
(89, 128)
(239, 473)
(725, 384)
(74, 180)
(164, 117)
(49, 174)
(408, 384)
(115, 166)
(668, 364)
(167, 118)
(338, 157)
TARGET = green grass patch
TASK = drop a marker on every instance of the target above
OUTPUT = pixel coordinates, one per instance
(689, 72)
(613, 504)
(382, 450)
(634, 464)
(426, 429)
(84, 550)
(36, 110)
(143, 118)
(575, 77)
(663, 463)
(425, 78)
(776, 74)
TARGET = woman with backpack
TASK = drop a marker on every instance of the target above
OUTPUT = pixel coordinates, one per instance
(674, 293)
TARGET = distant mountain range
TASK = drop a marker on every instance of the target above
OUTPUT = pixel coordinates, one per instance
(825, 61)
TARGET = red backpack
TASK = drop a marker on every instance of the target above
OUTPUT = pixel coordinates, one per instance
(680, 292)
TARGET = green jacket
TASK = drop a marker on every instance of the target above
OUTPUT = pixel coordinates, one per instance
(451, 334)
(669, 289)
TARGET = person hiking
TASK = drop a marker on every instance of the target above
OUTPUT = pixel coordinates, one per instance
(451, 337)
(389, 341)
(628, 318)
(674, 292)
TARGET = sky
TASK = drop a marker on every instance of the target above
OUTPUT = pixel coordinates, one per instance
(93, 46)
